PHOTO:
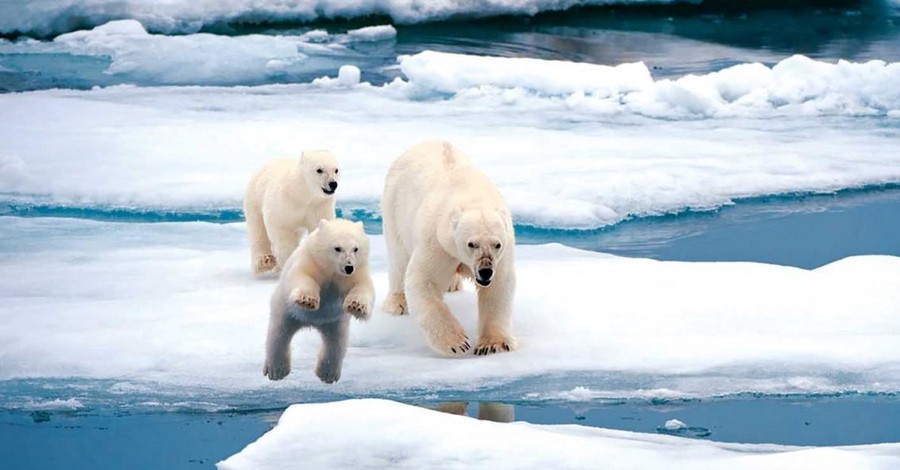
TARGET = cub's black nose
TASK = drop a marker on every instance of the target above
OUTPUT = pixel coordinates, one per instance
(332, 185)
(348, 269)
(485, 273)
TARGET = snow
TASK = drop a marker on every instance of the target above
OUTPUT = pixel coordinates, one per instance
(796, 85)
(674, 424)
(379, 434)
(174, 306)
(210, 59)
(187, 147)
(348, 75)
(46, 17)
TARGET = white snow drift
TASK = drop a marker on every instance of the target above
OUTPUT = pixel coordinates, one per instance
(557, 165)
(176, 305)
(797, 85)
(375, 434)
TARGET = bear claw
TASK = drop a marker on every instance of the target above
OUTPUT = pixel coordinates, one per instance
(306, 300)
(395, 305)
(484, 348)
(357, 308)
(265, 263)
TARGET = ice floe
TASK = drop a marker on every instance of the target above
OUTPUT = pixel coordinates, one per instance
(174, 305)
(379, 433)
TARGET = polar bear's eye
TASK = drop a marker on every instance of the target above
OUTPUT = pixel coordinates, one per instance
(355, 249)
(338, 249)
(497, 246)
(319, 171)
(472, 245)
(336, 170)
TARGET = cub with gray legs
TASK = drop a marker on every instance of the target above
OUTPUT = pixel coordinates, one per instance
(324, 282)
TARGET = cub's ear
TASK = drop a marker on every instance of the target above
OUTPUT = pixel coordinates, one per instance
(322, 223)
(503, 212)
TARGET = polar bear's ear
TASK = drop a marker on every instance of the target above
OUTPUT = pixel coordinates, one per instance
(322, 223)
(455, 215)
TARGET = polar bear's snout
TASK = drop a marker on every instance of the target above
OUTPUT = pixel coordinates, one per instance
(330, 188)
(484, 271)
(348, 269)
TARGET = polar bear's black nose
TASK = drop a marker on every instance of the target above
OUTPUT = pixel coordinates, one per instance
(485, 273)
(332, 185)
(348, 269)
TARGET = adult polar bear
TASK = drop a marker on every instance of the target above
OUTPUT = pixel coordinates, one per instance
(286, 197)
(443, 217)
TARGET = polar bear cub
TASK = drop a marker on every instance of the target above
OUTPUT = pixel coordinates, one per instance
(284, 200)
(323, 282)
(443, 217)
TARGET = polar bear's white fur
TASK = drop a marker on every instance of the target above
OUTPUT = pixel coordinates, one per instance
(286, 199)
(324, 281)
(442, 218)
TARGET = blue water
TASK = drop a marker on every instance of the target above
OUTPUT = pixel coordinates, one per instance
(92, 439)
(804, 230)
(672, 40)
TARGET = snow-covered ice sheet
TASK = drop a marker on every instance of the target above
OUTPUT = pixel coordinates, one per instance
(46, 17)
(379, 434)
(175, 306)
(559, 163)
(795, 86)
(135, 56)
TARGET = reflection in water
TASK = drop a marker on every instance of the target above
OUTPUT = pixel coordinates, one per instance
(487, 411)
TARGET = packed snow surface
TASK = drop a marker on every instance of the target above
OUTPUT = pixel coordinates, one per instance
(379, 434)
(591, 145)
(175, 305)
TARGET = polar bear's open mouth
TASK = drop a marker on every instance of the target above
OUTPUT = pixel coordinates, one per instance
(328, 191)
(483, 282)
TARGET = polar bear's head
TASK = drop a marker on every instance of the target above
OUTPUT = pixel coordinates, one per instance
(482, 236)
(320, 171)
(341, 244)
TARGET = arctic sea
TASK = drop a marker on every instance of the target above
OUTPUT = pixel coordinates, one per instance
(706, 198)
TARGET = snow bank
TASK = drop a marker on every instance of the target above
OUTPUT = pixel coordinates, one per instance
(176, 148)
(797, 85)
(209, 59)
(174, 305)
(380, 434)
(47, 17)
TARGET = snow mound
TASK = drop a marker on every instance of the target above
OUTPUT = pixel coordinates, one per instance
(796, 86)
(380, 434)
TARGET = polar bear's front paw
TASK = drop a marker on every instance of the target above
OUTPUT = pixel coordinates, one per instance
(277, 368)
(494, 344)
(305, 299)
(264, 263)
(357, 307)
(452, 342)
(395, 304)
